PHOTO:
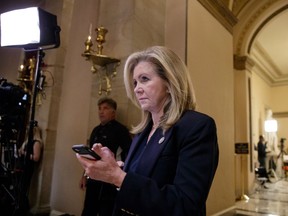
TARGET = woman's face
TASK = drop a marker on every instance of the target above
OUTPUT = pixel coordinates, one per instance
(149, 88)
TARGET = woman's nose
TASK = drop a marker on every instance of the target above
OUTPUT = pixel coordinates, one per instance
(138, 88)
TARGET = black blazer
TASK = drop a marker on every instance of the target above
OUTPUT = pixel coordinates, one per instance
(175, 177)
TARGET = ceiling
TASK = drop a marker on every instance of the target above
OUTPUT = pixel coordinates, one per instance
(272, 44)
(269, 41)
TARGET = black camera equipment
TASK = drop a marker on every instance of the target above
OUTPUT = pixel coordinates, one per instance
(14, 103)
(46, 36)
(14, 106)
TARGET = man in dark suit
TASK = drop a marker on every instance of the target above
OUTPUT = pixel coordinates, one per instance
(99, 197)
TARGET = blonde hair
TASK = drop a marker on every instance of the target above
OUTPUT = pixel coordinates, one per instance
(174, 72)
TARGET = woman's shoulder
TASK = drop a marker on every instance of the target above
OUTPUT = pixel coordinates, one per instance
(195, 115)
(194, 119)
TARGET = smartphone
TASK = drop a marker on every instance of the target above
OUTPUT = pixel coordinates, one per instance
(86, 152)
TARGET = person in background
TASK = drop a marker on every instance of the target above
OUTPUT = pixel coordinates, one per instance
(273, 165)
(99, 196)
(30, 154)
(261, 149)
(174, 154)
(37, 145)
(261, 170)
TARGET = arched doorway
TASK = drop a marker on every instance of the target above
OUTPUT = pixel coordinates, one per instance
(260, 77)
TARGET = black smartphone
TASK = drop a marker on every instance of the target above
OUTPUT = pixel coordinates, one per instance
(85, 151)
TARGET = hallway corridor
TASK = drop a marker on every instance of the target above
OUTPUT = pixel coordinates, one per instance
(269, 201)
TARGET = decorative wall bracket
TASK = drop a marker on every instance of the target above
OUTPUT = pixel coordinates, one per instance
(26, 72)
(102, 65)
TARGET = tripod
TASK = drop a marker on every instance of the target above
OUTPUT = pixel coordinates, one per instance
(281, 154)
(22, 203)
(8, 182)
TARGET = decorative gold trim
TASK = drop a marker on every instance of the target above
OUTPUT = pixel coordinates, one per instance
(221, 12)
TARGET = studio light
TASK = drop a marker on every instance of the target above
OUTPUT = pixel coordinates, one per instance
(271, 125)
(29, 28)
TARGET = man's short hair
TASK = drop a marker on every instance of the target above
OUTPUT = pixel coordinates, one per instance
(112, 103)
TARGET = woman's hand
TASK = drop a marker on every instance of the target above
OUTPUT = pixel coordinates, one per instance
(106, 169)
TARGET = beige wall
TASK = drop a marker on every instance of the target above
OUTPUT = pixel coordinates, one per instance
(74, 107)
(132, 25)
(210, 60)
(175, 28)
(129, 30)
(274, 98)
(261, 100)
(279, 101)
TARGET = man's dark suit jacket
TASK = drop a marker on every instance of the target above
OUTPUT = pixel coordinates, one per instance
(175, 178)
(112, 135)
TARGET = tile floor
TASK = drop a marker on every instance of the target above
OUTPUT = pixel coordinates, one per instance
(269, 201)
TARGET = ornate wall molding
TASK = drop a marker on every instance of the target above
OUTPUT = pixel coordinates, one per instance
(221, 12)
(248, 28)
(243, 63)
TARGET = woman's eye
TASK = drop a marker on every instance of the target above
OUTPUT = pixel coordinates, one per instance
(144, 79)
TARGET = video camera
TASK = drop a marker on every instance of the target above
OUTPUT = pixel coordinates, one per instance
(12, 98)
(14, 102)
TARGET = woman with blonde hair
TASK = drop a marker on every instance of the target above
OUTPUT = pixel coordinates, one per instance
(174, 154)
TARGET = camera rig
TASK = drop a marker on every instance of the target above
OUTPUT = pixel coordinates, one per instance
(14, 109)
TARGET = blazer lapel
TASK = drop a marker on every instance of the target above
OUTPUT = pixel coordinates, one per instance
(136, 141)
(152, 152)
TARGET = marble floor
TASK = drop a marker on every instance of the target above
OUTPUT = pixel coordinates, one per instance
(270, 200)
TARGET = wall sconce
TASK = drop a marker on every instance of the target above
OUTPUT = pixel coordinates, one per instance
(26, 77)
(26, 73)
(102, 65)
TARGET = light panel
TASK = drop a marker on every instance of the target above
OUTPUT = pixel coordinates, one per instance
(20, 27)
(29, 28)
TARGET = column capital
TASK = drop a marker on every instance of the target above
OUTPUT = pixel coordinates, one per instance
(243, 63)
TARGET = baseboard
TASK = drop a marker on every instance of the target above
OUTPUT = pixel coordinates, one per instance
(56, 213)
(224, 211)
(40, 210)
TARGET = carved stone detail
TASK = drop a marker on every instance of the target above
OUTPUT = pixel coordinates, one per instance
(221, 12)
(243, 63)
